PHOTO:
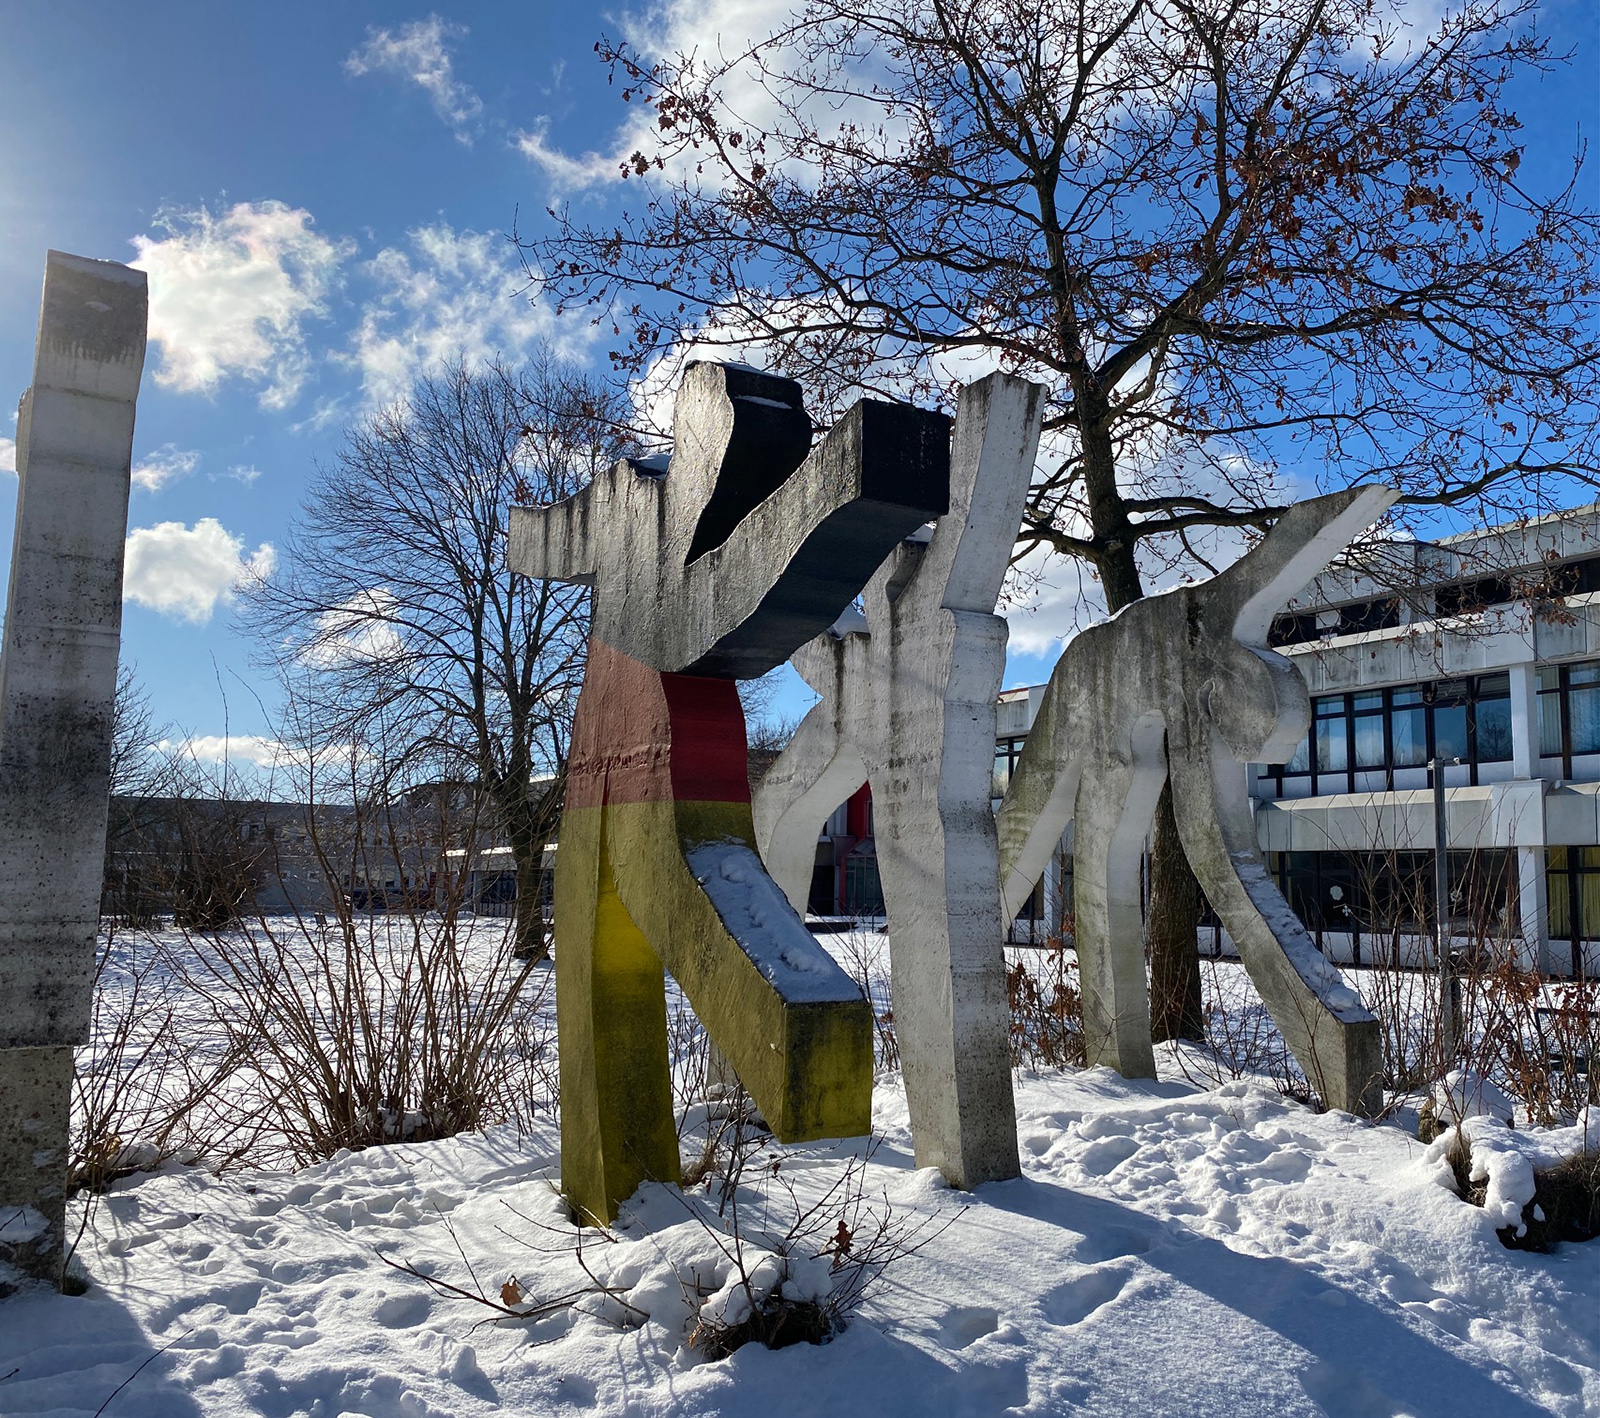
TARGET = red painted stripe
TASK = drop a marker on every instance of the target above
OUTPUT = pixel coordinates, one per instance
(642, 736)
(710, 759)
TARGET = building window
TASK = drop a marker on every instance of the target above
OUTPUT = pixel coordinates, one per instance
(1385, 894)
(1358, 740)
(1006, 753)
(1572, 877)
(1569, 712)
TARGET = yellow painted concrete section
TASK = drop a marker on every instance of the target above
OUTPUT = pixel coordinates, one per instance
(617, 1126)
(627, 905)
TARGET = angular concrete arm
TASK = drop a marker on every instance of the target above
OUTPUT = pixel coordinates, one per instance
(1331, 1033)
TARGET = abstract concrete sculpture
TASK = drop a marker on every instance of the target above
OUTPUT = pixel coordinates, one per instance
(62, 629)
(714, 568)
(1182, 686)
(908, 704)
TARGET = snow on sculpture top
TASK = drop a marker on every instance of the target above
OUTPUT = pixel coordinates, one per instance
(1183, 685)
(752, 544)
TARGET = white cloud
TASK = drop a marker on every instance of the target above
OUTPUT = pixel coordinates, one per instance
(223, 748)
(566, 173)
(230, 295)
(713, 32)
(362, 628)
(420, 52)
(166, 465)
(242, 473)
(183, 572)
(450, 294)
(8, 455)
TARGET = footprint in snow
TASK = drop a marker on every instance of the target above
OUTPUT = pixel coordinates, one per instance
(1111, 1244)
(402, 1311)
(1075, 1300)
(967, 1325)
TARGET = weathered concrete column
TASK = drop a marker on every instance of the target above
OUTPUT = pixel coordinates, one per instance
(908, 704)
(57, 682)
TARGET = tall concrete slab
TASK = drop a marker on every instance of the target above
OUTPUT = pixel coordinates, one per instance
(908, 704)
(1183, 686)
(58, 675)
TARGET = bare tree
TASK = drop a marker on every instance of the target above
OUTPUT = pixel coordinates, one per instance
(1235, 238)
(396, 623)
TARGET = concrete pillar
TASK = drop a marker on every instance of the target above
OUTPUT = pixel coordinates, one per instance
(1525, 720)
(57, 682)
(1533, 898)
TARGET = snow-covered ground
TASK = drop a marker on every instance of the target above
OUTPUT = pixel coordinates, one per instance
(1168, 1251)
(1171, 1249)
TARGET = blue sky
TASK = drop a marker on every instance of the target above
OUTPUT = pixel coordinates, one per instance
(321, 194)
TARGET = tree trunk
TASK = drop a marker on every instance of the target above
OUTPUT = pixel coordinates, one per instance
(526, 822)
(530, 938)
(1176, 1008)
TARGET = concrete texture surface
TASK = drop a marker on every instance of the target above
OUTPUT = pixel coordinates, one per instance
(749, 545)
(1182, 685)
(57, 684)
(713, 567)
(908, 705)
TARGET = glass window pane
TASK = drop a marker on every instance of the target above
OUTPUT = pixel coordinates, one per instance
(1494, 686)
(1556, 858)
(1369, 741)
(1583, 707)
(1410, 695)
(1549, 676)
(1549, 724)
(1451, 691)
(1586, 673)
(1300, 761)
(1560, 906)
(1363, 702)
(1589, 905)
(1450, 731)
(1333, 750)
(1410, 733)
(1328, 704)
(1494, 730)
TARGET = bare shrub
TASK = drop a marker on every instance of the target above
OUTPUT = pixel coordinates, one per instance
(140, 1086)
(377, 1027)
(866, 958)
(1046, 1008)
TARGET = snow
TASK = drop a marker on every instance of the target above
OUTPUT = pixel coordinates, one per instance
(760, 918)
(1185, 1246)
(1169, 1249)
(1463, 1094)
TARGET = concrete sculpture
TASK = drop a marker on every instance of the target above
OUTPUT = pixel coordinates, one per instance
(1182, 686)
(62, 630)
(713, 567)
(908, 704)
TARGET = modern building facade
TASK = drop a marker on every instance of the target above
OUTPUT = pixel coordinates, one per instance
(1483, 652)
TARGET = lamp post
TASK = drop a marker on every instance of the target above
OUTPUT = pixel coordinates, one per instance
(1449, 987)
